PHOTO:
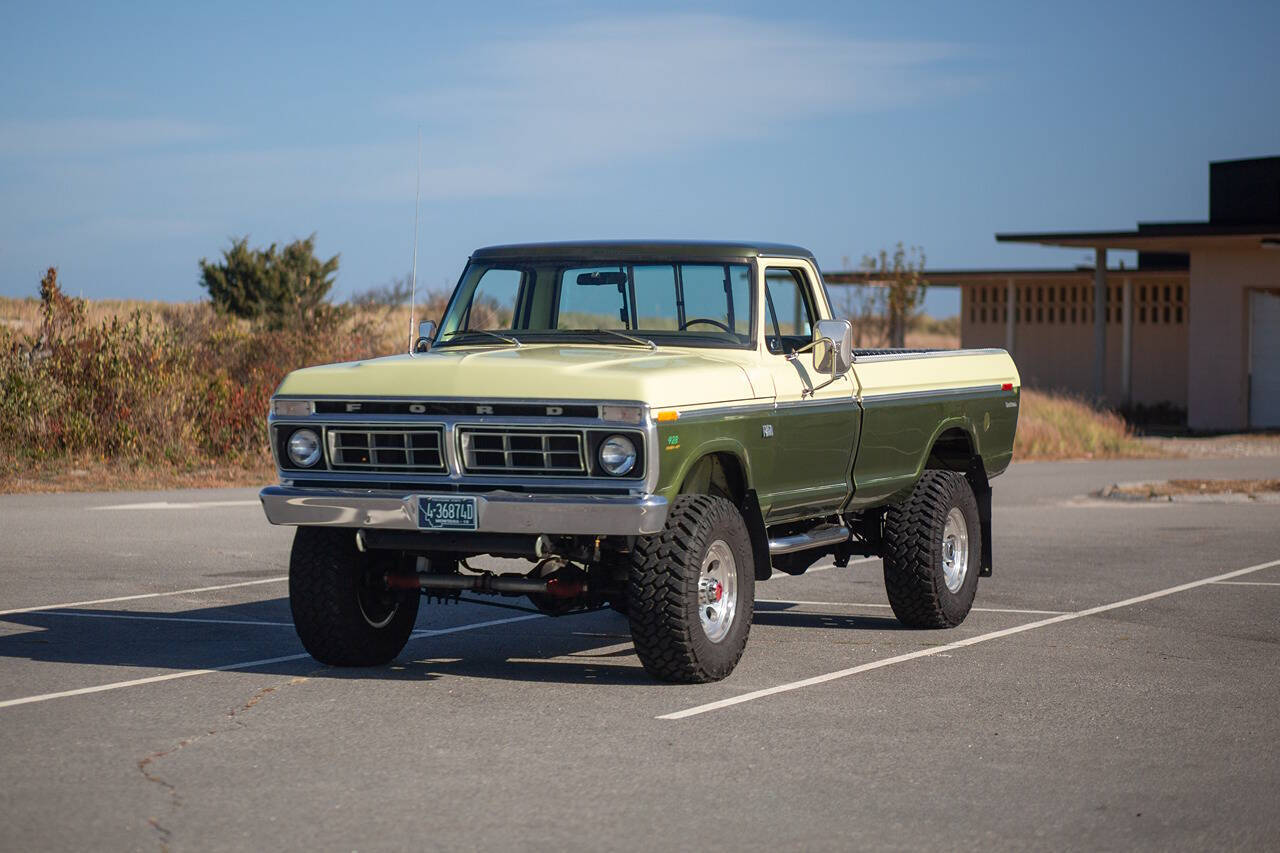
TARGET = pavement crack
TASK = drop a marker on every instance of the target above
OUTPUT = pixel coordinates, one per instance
(147, 764)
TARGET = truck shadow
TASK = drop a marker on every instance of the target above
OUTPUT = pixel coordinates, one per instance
(787, 615)
(591, 648)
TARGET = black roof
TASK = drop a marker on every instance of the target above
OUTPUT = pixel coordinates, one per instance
(1152, 229)
(622, 250)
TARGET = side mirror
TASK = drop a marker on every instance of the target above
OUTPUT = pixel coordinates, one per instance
(426, 336)
(833, 347)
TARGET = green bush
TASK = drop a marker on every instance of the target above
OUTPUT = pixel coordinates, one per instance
(286, 287)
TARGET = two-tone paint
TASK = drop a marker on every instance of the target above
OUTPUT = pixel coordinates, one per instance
(805, 448)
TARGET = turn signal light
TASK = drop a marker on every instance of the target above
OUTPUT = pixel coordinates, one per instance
(291, 408)
(668, 415)
(623, 414)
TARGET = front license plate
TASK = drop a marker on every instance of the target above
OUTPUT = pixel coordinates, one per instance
(446, 513)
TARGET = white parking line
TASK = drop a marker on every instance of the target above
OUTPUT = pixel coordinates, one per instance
(586, 654)
(175, 505)
(1248, 583)
(143, 595)
(862, 604)
(958, 644)
(137, 682)
(471, 626)
(249, 664)
(149, 618)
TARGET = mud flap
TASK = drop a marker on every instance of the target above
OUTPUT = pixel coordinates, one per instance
(750, 509)
(977, 477)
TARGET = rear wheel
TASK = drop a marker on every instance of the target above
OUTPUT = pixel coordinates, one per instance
(691, 592)
(933, 548)
(342, 610)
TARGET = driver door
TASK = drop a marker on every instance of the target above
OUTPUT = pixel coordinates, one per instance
(814, 429)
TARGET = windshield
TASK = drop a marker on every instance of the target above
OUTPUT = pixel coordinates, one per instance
(687, 304)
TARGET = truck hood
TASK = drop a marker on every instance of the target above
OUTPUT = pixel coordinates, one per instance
(669, 377)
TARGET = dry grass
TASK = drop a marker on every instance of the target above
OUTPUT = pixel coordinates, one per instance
(925, 339)
(1062, 426)
(391, 325)
(96, 475)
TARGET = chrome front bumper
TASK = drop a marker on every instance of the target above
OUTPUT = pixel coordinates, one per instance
(496, 512)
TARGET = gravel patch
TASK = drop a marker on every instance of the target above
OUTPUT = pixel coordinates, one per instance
(1195, 491)
(1235, 446)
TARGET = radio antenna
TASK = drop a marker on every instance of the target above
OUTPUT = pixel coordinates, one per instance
(413, 274)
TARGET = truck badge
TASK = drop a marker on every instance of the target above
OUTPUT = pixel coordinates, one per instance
(767, 430)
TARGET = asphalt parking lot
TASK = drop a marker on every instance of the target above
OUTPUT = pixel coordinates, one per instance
(1116, 687)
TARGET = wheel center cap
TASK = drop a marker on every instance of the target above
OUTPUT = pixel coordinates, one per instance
(717, 592)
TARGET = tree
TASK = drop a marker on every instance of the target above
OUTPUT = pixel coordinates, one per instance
(864, 306)
(901, 275)
(393, 294)
(283, 287)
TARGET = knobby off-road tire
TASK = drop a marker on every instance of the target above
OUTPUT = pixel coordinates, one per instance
(342, 610)
(671, 592)
(926, 590)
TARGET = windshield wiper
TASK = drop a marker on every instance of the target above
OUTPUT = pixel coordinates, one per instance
(632, 338)
(504, 338)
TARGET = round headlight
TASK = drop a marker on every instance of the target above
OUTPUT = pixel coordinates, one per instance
(617, 455)
(304, 448)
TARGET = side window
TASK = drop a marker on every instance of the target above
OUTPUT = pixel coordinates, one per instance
(493, 302)
(788, 319)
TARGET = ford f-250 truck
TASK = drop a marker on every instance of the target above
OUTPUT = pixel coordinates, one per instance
(655, 426)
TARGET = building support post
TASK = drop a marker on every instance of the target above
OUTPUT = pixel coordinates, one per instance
(1126, 345)
(1011, 306)
(1100, 323)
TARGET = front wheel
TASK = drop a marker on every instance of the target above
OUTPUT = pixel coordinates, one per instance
(691, 592)
(932, 551)
(342, 610)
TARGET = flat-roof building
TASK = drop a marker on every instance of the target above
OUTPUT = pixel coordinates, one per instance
(1194, 328)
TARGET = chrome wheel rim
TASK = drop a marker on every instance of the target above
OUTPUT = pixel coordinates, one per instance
(717, 591)
(955, 550)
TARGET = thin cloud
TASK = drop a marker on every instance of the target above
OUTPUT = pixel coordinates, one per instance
(535, 114)
(87, 135)
(609, 90)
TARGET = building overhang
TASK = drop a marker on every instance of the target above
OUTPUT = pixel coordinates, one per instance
(1182, 237)
(987, 277)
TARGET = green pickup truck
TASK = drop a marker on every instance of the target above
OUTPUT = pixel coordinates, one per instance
(654, 427)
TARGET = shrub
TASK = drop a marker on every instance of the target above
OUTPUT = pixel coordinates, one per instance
(1064, 426)
(286, 287)
(190, 386)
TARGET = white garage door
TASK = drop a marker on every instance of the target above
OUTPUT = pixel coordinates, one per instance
(1264, 360)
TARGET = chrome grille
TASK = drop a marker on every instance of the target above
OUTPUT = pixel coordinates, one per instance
(415, 451)
(500, 451)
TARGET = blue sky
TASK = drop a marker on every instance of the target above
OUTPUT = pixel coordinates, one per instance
(136, 139)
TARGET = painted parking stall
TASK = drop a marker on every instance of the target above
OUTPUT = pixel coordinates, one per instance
(1105, 640)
